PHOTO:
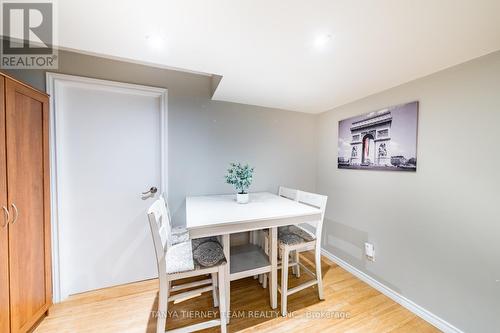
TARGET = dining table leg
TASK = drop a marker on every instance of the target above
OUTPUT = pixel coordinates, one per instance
(273, 281)
(226, 246)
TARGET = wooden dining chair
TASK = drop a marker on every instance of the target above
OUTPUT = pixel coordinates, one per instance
(294, 239)
(179, 258)
(180, 234)
(291, 194)
(288, 193)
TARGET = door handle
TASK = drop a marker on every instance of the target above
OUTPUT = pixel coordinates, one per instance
(15, 211)
(6, 216)
(152, 190)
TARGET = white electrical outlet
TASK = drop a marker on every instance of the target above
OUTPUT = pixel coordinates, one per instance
(370, 251)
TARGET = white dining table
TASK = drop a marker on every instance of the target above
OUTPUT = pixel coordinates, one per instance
(221, 215)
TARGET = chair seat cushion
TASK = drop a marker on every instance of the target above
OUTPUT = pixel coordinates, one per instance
(290, 239)
(179, 258)
(194, 254)
(293, 235)
(179, 235)
(207, 252)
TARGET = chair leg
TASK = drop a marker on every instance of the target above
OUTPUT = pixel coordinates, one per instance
(252, 240)
(266, 245)
(222, 297)
(214, 290)
(273, 275)
(284, 281)
(161, 321)
(319, 277)
(297, 261)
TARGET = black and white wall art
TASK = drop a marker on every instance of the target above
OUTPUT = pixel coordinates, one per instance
(381, 140)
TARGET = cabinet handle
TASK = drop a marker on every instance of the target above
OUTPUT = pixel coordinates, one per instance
(15, 211)
(6, 216)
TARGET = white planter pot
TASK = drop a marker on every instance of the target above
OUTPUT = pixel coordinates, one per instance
(242, 198)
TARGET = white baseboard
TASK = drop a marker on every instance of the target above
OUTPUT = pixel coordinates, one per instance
(428, 316)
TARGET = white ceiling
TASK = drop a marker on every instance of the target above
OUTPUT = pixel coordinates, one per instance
(267, 51)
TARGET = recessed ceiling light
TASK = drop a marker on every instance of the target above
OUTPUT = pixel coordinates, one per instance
(322, 40)
(155, 41)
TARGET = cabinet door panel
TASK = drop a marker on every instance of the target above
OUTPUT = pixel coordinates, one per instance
(29, 253)
(4, 229)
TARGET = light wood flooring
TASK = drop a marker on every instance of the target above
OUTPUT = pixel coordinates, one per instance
(350, 305)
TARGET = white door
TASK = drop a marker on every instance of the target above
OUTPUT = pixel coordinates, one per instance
(108, 147)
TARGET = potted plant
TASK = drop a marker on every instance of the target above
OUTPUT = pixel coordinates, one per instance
(240, 176)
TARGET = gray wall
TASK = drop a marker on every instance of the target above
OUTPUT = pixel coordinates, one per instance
(436, 231)
(205, 135)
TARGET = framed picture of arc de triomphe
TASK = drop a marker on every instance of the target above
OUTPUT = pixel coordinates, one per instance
(380, 140)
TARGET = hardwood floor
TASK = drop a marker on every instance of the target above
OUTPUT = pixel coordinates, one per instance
(350, 306)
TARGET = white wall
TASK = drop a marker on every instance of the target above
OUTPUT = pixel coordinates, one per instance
(436, 231)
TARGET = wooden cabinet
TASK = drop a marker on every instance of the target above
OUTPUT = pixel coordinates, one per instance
(4, 230)
(25, 267)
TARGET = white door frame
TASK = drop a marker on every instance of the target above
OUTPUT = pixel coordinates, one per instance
(55, 81)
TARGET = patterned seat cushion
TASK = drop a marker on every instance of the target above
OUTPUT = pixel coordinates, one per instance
(293, 235)
(194, 254)
(179, 235)
(179, 258)
(290, 239)
(207, 252)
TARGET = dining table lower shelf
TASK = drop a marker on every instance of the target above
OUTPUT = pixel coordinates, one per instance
(248, 260)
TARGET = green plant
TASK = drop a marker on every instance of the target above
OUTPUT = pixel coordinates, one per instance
(240, 176)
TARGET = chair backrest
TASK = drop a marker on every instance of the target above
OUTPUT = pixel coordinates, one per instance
(317, 201)
(288, 193)
(165, 198)
(161, 228)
